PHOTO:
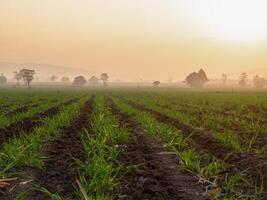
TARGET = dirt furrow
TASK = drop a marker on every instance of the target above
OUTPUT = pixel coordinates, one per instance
(260, 141)
(5, 107)
(158, 176)
(227, 112)
(21, 109)
(27, 125)
(60, 174)
(203, 140)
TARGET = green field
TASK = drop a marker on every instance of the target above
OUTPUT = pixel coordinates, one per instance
(132, 144)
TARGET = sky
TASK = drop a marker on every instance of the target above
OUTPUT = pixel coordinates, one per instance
(141, 39)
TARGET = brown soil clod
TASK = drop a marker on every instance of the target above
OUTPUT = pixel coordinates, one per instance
(157, 175)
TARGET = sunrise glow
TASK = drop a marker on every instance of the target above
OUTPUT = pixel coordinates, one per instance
(132, 39)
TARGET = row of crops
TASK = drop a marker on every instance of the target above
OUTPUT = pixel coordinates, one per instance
(132, 145)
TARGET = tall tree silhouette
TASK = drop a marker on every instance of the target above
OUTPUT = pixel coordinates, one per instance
(27, 75)
(104, 78)
(243, 79)
(224, 79)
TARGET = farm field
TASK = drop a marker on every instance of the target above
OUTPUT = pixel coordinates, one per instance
(132, 144)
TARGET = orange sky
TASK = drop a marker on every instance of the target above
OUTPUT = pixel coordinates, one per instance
(150, 39)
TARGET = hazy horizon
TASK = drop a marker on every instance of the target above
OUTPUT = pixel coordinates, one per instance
(147, 39)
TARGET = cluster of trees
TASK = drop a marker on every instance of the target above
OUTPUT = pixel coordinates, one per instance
(81, 81)
(258, 82)
(197, 79)
(25, 75)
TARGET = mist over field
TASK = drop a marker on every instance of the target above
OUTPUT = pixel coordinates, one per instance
(133, 99)
(45, 71)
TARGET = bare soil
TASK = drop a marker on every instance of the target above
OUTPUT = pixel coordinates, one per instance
(158, 175)
(21, 109)
(60, 170)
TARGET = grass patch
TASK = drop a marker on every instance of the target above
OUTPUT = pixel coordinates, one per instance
(98, 175)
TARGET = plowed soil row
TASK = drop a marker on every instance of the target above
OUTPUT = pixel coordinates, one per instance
(60, 173)
(21, 109)
(158, 176)
(28, 124)
(4, 107)
(227, 111)
(261, 140)
(203, 140)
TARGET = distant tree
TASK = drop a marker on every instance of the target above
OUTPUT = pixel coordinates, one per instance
(27, 76)
(93, 80)
(243, 78)
(18, 77)
(224, 79)
(156, 83)
(53, 78)
(79, 81)
(259, 82)
(65, 79)
(104, 78)
(3, 79)
(197, 79)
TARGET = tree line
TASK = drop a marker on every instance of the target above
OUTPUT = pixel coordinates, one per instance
(194, 79)
(27, 76)
(199, 79)
(81, 81)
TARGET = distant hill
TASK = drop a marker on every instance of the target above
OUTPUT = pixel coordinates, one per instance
(44, 70)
